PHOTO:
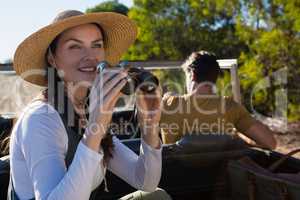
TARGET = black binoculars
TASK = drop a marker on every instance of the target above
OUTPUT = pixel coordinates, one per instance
(137, 78)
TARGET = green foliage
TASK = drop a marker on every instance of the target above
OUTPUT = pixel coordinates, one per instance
(223, 84)
(171, 80)
(271, 31)
(293, 112)
(172, 29)
(109, 6)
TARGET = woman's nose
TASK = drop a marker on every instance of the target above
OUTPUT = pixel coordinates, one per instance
(89, 52)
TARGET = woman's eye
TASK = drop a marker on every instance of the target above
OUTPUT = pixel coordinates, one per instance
(74, 46)
(98, 45)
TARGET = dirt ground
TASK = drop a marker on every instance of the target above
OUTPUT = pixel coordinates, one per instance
(288, 139)
(288, 142)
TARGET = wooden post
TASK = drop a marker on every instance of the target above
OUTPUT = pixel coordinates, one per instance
(235, 82)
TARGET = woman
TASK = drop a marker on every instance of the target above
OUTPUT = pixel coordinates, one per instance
(73, 45)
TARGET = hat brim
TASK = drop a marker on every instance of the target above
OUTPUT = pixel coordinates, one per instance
(29, 59)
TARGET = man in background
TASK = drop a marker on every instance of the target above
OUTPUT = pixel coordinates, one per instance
(201, 110)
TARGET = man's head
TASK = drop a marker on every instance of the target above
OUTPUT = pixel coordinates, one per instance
(201, 67)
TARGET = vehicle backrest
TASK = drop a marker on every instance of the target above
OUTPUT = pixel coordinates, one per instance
(210, 142)
(193, 165)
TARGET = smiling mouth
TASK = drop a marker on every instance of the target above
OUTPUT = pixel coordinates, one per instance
(87, 69)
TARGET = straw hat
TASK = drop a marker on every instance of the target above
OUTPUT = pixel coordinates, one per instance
(29, 59)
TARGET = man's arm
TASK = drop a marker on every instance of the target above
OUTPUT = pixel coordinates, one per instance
(252, 128)
(262, 135)
(169, 103)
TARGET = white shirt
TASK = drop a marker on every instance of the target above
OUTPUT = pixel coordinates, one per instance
(38, 148)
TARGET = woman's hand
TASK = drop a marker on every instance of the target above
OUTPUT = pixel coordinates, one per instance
(149, 113)
(103, 97)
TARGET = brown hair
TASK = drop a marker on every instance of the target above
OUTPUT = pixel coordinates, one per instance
(6, 125)
(205, 66)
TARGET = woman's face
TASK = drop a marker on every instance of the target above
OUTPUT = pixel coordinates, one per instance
(78, 51)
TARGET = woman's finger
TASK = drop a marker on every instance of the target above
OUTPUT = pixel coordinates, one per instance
(107, 74)
(101, 89)
(113, 82)
(113, 95)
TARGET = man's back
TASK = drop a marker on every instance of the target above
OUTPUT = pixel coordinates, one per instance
(202, 114)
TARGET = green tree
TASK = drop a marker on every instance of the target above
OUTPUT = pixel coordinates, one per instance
(172, 29)
(109, 6)
(271, 30)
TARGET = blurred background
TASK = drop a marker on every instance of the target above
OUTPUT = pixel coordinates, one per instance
(264, 35)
